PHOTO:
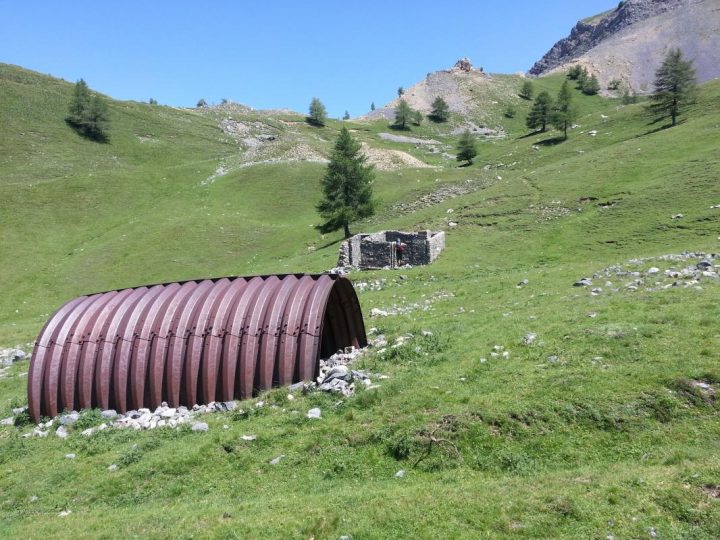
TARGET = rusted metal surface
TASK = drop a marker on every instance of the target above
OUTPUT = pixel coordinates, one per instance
(190, 342)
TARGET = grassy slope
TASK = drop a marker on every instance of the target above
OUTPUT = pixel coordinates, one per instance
(576, 448)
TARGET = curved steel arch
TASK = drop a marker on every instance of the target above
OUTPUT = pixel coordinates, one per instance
(190, 342)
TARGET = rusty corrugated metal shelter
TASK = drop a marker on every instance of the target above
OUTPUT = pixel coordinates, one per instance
(190, 342)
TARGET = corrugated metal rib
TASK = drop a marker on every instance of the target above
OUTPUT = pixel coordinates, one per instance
(191, 342)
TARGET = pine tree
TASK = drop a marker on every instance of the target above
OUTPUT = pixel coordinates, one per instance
(346, 187)
(591, 85)
(417, 118)
(466, 148)
(526, 90)
(675, 86)
(372, 106)
(88, 114)
(346, 116)
(317, 113)
(440, 110)
(403, 114)
(79, 103)
(564, 112)
(201, 104)
(539, 114)
(400, 91)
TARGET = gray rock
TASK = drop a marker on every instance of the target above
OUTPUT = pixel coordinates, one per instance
(112, 468)
(277, 460)
(88, 432)
(62, 432)
(69, 456)
(314, 413)
(249, 437)
(70, 418)
(400, 473)
(109, 413)
(529, 338)
(7, 421)
(200, 426)
(704, 265)
(19, 410)
(583, 282)
(230, 405)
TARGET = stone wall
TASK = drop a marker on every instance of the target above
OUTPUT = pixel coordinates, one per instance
(377, 250)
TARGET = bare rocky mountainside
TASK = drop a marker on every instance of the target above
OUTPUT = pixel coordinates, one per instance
(629, 42)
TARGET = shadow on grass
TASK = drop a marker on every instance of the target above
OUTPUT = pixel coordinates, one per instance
(88, 132)
(531, 134)
(552, 141)
(398, 127)
(661, 128)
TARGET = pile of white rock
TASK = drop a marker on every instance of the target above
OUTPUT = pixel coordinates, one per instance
(689, 269)
(337, 376)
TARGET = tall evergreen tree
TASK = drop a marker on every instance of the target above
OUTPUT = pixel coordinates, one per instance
(346, 187)
(440, 110)
(78, 103)
(591, 85)
(346, 116)
(563, 112)
(88, 114)
(675, 86)
(467, 150)
(403, 114)
(316, 113)
(539, 114)
(526, 90)
(372, 106)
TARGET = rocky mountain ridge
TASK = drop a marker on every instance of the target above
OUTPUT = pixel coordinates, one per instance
(592, 31)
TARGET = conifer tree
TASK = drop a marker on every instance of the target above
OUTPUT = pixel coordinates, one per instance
(526, 90)
(346, 116)
(563, 112)
(317, 113)
(591, 85)
(675, 86)
(346, 187)
(539, 114)
(466, 148)
(403, 114)
(88, 114)
(372, 106)
(440, 110)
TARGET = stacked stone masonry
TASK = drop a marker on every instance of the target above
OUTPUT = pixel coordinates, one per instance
(380, 250)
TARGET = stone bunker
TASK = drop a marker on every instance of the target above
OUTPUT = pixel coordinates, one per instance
(391, 249)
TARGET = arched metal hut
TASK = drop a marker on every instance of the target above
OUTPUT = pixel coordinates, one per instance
(190, 342)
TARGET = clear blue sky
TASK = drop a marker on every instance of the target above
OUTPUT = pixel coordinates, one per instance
(281, 53)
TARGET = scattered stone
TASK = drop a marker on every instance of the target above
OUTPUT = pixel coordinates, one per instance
(70, 418)
(277, 460)
(375, 312)
(9, 356)
(109, 414)
(112, 468)
(583, 282)
(62, 432)
(677, 216)
(529, 338)
(200, 426)
(400, 473)
(88, 432)
(69, 456)
(7, 421)
(19, 410)
(34, 498)
(522, 283)
(65, 513)
(249, 437)
(314, 413)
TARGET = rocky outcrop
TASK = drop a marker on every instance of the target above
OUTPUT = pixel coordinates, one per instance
(591, 32)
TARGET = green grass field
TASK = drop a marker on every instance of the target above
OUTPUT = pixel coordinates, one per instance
(597, 429)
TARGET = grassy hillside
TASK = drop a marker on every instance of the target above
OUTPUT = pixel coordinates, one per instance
(606, 425)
